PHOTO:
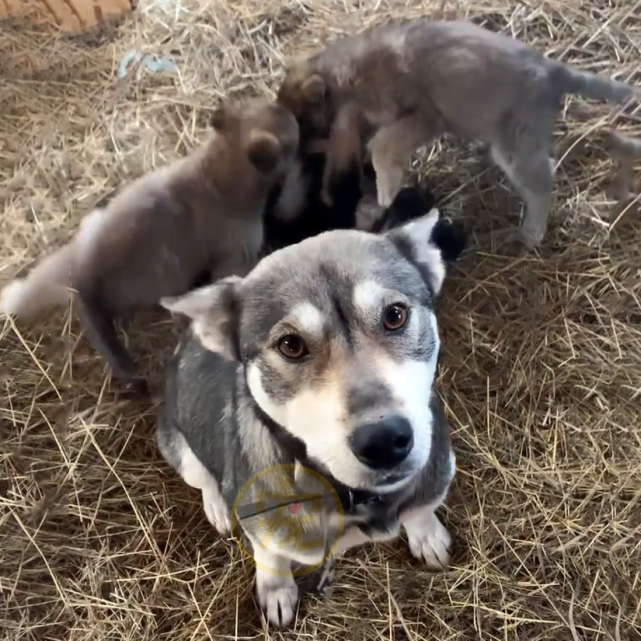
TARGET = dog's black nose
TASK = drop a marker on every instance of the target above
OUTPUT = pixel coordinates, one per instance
(383, 444)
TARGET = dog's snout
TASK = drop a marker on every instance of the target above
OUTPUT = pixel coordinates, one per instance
(383, 444)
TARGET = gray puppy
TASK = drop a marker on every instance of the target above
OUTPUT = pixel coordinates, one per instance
(400, 85)
(321, 364)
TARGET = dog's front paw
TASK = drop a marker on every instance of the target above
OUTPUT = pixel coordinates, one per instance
(216, 512)
(278, 596)
(430, 541)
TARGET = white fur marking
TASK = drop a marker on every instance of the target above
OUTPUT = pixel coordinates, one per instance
(309, 317)
(410, 383)
(213, 341)
(420, 233)
(90, 227)
(195, 474)
(428, 538)
(368, 296)
(12, 296)
(316, 416)
(277, 595)
(353, 537)
(452, 464)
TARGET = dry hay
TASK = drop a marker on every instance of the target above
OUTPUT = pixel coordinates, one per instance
(100, 540)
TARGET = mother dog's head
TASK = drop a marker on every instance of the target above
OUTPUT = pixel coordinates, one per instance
(339, 343)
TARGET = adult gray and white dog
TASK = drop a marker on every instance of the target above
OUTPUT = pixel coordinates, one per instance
(322, 358)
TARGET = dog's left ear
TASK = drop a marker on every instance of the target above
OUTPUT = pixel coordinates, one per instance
(264, 151)
(431, 243)
(213, 311)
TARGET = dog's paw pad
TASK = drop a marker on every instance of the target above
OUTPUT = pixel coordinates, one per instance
(431, 544)
(217, 514)
(278, 597)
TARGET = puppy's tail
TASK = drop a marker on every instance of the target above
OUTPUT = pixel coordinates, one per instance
(51, 281)
(47, 284)
(588, 85)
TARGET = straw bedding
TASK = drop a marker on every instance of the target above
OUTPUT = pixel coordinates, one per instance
(541, 354)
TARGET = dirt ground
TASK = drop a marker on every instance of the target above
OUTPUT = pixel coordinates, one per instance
(541, 373)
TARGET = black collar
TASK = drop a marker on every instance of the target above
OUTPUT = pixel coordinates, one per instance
(351, 499)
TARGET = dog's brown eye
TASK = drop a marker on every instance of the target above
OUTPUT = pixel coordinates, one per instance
(395, 317)
(292, 346)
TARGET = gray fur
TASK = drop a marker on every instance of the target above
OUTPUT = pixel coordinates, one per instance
(408, 81)
(223, 420)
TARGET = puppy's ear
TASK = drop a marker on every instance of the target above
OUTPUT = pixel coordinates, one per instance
(430, 243)
(313, 89)
(263, 151)
(222, 117)
(213, 311)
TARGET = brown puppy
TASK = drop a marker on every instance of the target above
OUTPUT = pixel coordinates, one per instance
(401, 85)
(156, 237)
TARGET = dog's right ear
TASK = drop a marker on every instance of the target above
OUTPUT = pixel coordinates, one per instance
(213, 311)
(430, 243)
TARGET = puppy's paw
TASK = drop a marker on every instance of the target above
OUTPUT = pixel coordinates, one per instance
(388, 184)
(278, 596)
(531, 238)
(216, 512)
(384, 198)
(430, 541)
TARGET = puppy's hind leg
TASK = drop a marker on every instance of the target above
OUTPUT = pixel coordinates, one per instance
(523, 152)
(99, 329)
(532, 175)
(391, 148)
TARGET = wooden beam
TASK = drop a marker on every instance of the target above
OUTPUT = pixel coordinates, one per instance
(12, 8)
(91, 13)
(63, 14)
(73, 16)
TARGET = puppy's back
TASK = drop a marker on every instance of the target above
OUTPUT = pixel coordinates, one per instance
(143, 247)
